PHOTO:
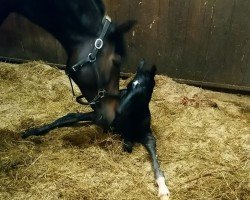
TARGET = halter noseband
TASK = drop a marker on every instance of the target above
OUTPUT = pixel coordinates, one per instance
(91, 58)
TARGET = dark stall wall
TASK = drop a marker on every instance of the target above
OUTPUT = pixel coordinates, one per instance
(21, 39)
(199, 40)
(203, 41)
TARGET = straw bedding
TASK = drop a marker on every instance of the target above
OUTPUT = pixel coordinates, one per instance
(202, 141)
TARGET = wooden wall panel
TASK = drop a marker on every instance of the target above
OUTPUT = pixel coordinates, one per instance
(197, 40)
(200, 40)
(20, 39)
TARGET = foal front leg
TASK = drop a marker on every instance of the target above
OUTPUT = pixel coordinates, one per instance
(66, 120)
(150, 144)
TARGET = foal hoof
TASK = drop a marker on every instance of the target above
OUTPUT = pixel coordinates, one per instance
(164, 197)
(163, 192)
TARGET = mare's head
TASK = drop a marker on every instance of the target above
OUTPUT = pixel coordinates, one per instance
(104, 71)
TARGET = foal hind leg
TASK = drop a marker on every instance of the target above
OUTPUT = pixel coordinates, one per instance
(150, 144)
(64, 121)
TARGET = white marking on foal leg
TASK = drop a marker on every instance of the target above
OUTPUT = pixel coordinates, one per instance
(163, 189)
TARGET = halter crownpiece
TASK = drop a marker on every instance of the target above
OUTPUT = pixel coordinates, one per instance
(97, 46)
(99, 41)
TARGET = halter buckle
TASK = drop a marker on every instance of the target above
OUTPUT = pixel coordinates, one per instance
(74, 68)
(101, 93)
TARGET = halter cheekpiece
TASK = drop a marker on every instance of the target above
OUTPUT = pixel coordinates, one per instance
(97, 46)
(91, 58)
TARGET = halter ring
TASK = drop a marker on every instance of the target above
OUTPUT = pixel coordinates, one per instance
(98, 43)
(101, 93)
(90, 58)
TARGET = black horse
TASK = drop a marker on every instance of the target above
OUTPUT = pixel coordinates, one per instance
(133, 118)
(95, 48)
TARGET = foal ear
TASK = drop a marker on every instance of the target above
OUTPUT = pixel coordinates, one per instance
(125, 27)
(153, 70)
(141, 64)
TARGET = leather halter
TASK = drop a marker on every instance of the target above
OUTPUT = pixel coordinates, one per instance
(91, 58)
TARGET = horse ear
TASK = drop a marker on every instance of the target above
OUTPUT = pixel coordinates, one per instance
(153, 70)
(125, 27)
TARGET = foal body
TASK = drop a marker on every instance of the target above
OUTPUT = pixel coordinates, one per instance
(133, 118)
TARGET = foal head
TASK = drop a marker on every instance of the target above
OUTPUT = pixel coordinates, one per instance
(143, 81)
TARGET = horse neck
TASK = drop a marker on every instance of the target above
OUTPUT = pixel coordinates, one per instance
(85, 22)
(70, 22)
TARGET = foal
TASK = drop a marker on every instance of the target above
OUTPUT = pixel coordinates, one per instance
(132, 120)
